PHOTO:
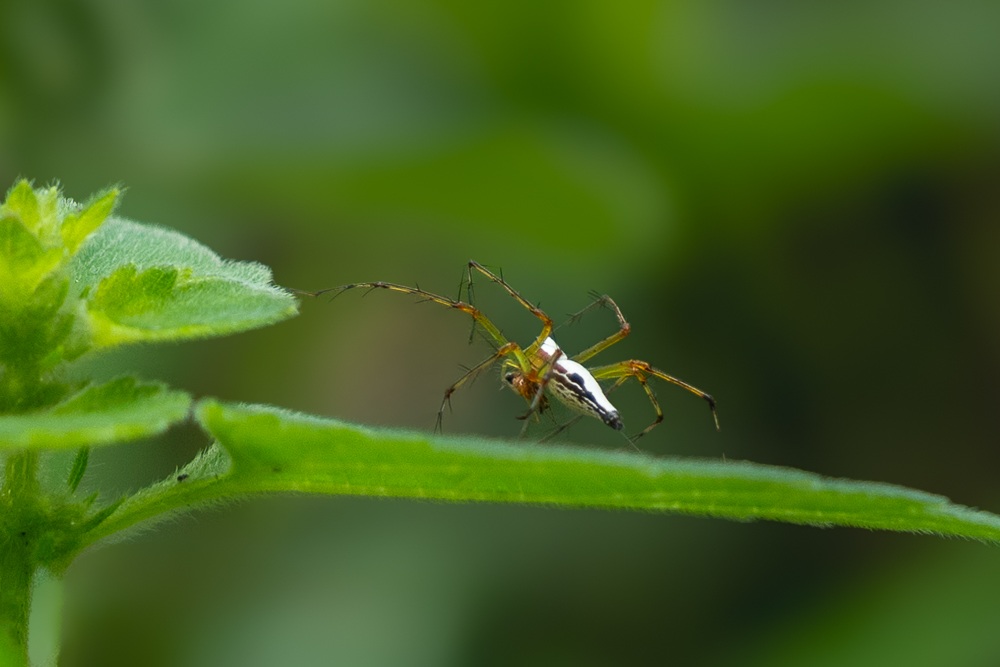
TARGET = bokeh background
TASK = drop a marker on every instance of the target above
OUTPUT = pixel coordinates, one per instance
(795, 204)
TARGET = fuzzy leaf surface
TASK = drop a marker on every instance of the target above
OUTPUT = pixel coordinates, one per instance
(144, 284)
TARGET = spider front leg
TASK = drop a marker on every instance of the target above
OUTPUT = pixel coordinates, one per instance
(537, 403)
(640, 370)
(477, 315)
(534, 310)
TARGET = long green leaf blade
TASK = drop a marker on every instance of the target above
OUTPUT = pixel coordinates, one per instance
(271, 450)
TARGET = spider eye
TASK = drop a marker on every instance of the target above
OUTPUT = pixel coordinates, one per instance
(509, 377)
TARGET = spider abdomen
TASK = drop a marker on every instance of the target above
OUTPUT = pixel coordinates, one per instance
(577, 389)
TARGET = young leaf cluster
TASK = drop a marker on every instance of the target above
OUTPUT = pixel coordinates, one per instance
(76, 280)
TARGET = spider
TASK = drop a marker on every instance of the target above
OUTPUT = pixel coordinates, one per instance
(542, 368)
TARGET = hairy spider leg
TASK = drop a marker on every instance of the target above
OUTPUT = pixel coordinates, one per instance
(471, 310)
(547, 326)
(509, 348)
(466, 286)
(633, 368)
(624, 328)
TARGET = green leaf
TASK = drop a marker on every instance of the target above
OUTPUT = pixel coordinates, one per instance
(271, 450)
(22, 203)
(119, 410)
(19, 249)
(76, 227)
(146, 284)
(24, 262)
(78, 469)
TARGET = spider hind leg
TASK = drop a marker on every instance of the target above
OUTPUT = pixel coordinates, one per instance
(641, 371)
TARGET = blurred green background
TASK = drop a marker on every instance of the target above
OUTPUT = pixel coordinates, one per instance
(795, 204)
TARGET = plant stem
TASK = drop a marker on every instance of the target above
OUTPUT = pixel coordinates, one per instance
(18, 501)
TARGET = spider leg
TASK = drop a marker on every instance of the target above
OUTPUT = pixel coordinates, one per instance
(640, 370)
(476, 314)
(537, 312)
(598, 301)
(536, 400)
(560, 428)
(624, 328)
(649, 392)
(465, 284)
(503, 351)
